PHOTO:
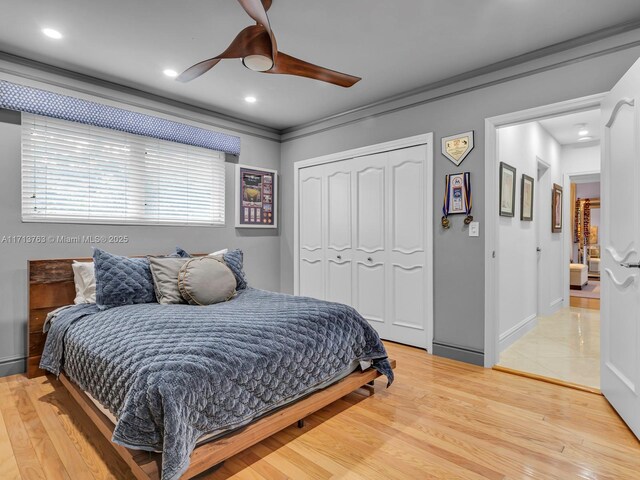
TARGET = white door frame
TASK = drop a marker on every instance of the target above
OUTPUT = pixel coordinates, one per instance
(491, 246)
(540, 164)
(424, 139)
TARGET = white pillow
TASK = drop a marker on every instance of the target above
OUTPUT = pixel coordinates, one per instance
(219, 252)
(84, 277)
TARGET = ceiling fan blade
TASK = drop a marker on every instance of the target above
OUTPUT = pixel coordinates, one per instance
(250, 41)
(257, 10)
(288, 65)
(198, 69)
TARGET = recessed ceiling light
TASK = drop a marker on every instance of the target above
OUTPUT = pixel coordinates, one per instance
(51, 33)
(170, 73)
(582, 129)
(250, 99)
(585, 139)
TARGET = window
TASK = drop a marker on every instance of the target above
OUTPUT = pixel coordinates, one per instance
(76, 173)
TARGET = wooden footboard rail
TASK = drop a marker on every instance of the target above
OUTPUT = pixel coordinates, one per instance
(146, 466)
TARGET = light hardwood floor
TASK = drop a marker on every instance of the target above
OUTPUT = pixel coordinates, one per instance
(440, 419)
(592, 303)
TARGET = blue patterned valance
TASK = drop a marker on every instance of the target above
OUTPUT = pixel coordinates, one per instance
(49, 104)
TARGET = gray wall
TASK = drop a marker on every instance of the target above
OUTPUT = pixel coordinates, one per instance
(261, 247)
(444, 110)
(459, 259)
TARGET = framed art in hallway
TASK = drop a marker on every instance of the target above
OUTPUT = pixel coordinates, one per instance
(526, 198)
(556, 209)
(507, 190)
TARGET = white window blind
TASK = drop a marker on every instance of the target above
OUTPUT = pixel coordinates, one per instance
(78, 173)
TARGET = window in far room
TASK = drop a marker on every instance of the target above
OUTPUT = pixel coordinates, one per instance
(76, 173)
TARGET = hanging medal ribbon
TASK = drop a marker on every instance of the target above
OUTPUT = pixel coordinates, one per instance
(445, 206)
(468, 200)
(457, 197)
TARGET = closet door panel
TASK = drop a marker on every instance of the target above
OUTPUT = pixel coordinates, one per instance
(407, 304)
(371, 295)
(312, 278)
(407, 202)
(370, 206)
(339, 281)
(310, 209)
(310, 221)
(406, 257)
(339, 208)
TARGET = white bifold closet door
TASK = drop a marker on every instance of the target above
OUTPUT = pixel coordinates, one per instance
(362, 239)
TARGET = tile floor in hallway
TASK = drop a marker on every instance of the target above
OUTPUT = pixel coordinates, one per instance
(565, 346)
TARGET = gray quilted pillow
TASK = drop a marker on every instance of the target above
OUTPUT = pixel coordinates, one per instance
(234, 260)
(205, 281)
(122, 280)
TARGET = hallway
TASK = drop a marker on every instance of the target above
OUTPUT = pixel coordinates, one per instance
(564, 346)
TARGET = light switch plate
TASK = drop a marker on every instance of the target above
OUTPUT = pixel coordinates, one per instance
(474, 229)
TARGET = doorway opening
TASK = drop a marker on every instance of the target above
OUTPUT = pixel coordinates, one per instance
(546, 248)
(586, 232)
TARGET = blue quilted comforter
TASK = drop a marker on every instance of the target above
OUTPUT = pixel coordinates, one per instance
(174, 373)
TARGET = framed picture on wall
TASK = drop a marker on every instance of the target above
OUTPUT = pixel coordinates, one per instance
(507, 190)
(556, 208)
(256, 197)
(457, 147)
(526, 198)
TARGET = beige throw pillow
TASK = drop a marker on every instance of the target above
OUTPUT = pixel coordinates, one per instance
(165, 278)
(205, 281)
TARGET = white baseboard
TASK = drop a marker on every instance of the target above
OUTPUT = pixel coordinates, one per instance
(556, 305)
(518, 331)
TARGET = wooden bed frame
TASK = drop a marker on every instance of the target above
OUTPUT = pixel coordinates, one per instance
(51, 286)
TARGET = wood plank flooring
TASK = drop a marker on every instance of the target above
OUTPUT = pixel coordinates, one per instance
(580, 302)
(440, 420)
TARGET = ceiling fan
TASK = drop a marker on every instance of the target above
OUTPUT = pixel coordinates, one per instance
(256, 46)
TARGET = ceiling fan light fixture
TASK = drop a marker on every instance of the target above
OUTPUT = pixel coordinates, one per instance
(258, 63)
(256, 46)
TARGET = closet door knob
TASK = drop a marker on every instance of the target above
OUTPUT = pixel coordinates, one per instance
(339, 257)
(369, 259)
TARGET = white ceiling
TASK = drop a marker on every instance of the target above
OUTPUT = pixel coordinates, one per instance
(565, 128)
(395, 46)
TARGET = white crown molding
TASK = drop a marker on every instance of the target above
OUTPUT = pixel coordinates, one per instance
(602, 42)
(585, 48)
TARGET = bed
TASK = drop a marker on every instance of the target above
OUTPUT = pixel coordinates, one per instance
(178, 389)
